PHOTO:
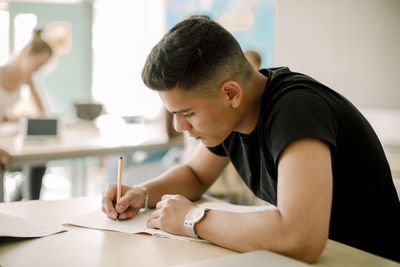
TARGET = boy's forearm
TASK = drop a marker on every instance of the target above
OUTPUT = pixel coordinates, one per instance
(266, 230)
(240, 232)
(180, 179)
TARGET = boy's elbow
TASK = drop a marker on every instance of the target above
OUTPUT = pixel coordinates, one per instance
(306, 249)
(309, 255)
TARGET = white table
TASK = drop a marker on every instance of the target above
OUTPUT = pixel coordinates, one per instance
(88, 247)
(80, 139)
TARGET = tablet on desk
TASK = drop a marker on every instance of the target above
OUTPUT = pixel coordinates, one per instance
(41, 129)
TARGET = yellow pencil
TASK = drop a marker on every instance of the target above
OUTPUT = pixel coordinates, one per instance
(119, 182)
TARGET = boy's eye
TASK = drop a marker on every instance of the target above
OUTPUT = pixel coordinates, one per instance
(186, 115)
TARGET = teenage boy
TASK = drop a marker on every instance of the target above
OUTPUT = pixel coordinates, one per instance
(296, 143)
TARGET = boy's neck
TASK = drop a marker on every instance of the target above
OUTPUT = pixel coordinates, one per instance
(252, 97)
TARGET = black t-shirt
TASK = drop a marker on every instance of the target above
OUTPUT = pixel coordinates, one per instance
(365, 206)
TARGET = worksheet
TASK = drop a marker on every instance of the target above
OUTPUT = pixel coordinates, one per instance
(11, 226)
(98, 220)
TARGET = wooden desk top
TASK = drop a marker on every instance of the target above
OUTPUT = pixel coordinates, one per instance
(87, 247)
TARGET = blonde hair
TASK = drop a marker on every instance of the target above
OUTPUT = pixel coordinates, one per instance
(38, 45)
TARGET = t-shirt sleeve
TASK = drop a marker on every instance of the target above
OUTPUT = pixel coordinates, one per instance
(300, 114)
(218, 150)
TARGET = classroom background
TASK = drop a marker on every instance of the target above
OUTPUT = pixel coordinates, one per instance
(351, 46)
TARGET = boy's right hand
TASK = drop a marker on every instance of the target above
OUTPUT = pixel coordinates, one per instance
(132, 200)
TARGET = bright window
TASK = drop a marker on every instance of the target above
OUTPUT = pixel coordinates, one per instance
(4, 36)
(24, 24)
(123, 34)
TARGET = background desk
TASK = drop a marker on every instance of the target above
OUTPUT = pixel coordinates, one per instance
(81, 139)
(88, 247)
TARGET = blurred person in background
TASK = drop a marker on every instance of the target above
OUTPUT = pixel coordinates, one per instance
(5, 159)
(19, 71)
(254, 58)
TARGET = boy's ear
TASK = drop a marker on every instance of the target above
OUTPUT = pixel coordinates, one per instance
(232, 92)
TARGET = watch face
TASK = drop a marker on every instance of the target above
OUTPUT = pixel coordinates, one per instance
(194, 215)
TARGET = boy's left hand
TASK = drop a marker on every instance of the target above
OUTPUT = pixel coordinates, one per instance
(170, 214)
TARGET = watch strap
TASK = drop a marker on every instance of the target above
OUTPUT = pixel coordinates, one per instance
(190, 226)
(190, 230)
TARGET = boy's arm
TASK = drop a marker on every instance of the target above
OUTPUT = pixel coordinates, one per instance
(190, 179)
(298, 227)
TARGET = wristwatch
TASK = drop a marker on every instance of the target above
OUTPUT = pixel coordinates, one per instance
(193, 217)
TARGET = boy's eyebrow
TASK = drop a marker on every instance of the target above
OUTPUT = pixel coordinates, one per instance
(180, 111)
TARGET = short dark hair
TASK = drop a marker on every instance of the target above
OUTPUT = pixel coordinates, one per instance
(195, 53)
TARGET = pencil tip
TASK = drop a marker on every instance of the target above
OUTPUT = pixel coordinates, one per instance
(120, 157)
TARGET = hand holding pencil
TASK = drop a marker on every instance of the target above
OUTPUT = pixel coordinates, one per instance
(122, 202)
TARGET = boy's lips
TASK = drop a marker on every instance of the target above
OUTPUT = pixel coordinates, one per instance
(195, 137)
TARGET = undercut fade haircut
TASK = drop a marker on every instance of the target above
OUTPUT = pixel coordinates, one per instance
(195, 53)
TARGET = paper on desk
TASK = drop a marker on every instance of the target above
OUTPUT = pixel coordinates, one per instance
(98, 220)
(11, 226)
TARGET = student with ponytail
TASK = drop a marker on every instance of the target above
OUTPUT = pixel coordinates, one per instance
(19, 71)
(13, 75)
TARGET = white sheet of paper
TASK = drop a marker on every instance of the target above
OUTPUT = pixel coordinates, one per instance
(11, 226)
(98, 220)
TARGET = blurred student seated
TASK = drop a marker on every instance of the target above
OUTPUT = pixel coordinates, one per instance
(5, 159)
(18, 72)
(254, 58)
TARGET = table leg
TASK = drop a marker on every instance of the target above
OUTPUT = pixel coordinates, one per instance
(78, 177)
(1, 185)
(83, 178)
(26, 185)
(74, 178)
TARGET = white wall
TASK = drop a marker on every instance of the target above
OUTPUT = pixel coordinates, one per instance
(353, 46)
